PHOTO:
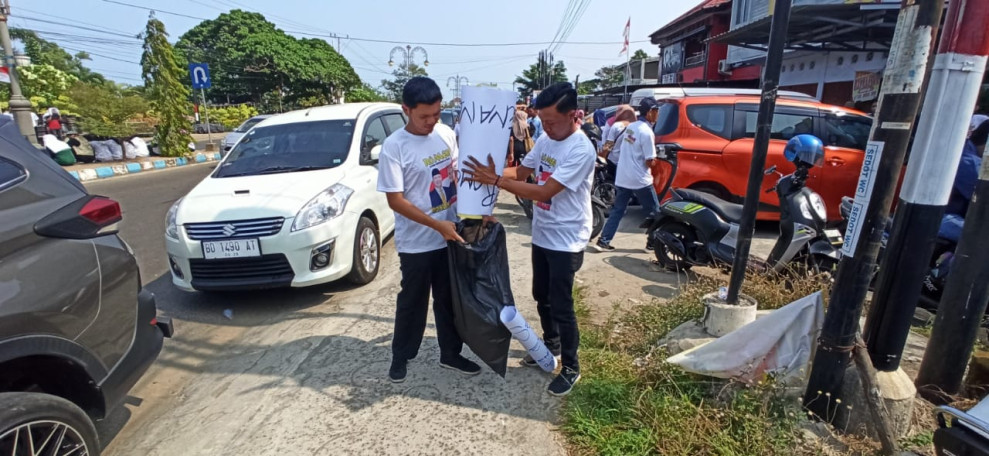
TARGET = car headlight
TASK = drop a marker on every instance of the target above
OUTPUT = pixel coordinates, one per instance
(325, 206)
(171, 228)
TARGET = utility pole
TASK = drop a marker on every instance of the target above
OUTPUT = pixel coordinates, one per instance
(950, 98)
(457, 82)
(20, 107)
(961, 63)
(913, 42)
(764, 124)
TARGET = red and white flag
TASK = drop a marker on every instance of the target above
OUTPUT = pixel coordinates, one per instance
(4, 75)
(628, 25)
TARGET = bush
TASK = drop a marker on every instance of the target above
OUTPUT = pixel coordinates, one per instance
(231, 116)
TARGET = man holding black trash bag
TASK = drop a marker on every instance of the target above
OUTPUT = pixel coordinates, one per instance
(416, 170)
(561, 222)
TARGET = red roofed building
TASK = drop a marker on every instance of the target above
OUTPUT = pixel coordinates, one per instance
(688, 57)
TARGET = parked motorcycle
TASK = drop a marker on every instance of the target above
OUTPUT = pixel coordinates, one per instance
(696, 228)
(604, 183)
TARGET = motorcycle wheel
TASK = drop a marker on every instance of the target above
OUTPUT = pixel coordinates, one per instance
(605, 191)
(597, 220)
(666, 258)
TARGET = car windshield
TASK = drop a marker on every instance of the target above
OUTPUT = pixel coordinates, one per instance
(290, 147)
(248, 124)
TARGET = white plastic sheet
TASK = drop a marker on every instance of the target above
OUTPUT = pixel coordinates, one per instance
(780, 343)
(522, 332)
(485, 118)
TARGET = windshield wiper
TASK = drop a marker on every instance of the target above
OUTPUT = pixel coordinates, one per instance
(275, 170)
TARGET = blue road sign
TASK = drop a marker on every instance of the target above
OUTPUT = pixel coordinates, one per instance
(200, 75)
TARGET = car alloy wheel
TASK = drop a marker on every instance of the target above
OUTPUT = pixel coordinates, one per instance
(369, 249)
(46, 437)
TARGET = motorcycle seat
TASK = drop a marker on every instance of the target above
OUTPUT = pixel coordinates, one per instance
(731, 212)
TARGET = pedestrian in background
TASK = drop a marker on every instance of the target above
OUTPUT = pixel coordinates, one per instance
(634, 176)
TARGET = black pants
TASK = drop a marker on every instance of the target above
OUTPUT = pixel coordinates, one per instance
(552, 288)
(422, 272)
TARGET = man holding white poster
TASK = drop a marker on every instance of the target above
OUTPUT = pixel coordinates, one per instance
(561, 223)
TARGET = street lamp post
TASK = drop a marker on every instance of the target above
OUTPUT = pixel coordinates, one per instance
(408, 53)
(455, 83)
(20, 107)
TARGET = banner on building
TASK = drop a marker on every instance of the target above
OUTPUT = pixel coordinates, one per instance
(672, 62)
(866, 86)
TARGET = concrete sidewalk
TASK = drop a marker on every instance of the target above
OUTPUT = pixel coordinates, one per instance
(92, 171)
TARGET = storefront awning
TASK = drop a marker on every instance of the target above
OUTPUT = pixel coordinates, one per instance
(823, 28)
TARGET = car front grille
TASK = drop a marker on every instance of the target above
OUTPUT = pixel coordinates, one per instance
(234, 229)
(266, 271)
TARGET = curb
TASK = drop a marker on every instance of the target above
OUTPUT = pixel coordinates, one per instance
(104, 172)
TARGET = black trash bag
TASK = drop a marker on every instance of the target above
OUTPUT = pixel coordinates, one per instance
(481, 288)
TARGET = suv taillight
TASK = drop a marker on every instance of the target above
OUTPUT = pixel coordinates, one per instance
(85, 218)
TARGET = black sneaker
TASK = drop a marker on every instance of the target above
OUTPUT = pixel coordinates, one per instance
(462, 365)
(649, 247)
(527, 361)
(397, 371)
(604, 245)
(563, 383)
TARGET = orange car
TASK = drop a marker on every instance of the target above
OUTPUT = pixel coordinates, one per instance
(715, 135)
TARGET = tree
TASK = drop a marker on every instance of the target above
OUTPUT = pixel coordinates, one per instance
(364, 93)
(587, 87)
(393, 88)
(44, 85)
(105, 111)
(43, 52)
(539, 75)
(166, 90)
(640, 55)
(610, 76)
(250, 59)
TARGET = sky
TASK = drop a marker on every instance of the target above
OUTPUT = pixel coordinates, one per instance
(104, 27)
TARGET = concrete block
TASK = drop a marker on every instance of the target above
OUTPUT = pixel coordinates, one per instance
(978, 369)
(88, 175)
(170, 162)
(160, 164)
(119, 170)
(722, 318)
(104, 172)
(200, 158)
(74, 174)
(181, 161)
(147, 165)
(133, 168)
(897, 392)
(217, 156)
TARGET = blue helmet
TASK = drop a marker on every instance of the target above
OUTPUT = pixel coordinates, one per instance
(805, 149)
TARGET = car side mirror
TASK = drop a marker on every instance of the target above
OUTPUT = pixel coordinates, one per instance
(375, 153)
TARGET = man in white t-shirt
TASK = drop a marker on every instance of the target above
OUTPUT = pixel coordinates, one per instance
(563, 161)
(634, 175)
(417, 170)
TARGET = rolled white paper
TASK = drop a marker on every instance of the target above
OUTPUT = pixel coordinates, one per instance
(521, 331)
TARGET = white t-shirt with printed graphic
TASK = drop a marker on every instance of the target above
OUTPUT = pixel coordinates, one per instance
(421, 167)
(564, 224)
(638, 145)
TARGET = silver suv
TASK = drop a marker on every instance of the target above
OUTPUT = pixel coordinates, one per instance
(76, 329)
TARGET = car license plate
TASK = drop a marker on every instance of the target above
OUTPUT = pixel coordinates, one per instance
(232, 248)
(834, 236)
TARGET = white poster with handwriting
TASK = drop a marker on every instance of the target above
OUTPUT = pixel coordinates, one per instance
(485, 119)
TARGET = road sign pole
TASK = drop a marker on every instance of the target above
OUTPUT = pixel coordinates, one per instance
(209, 135)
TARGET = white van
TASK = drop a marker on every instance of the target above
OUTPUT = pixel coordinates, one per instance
(676, 92)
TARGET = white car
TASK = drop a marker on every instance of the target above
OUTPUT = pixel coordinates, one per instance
(293, 204)
(239, 132)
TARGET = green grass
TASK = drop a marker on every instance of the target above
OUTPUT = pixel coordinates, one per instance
(630, 402)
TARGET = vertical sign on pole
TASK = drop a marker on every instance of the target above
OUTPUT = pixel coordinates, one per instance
(201, 80)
